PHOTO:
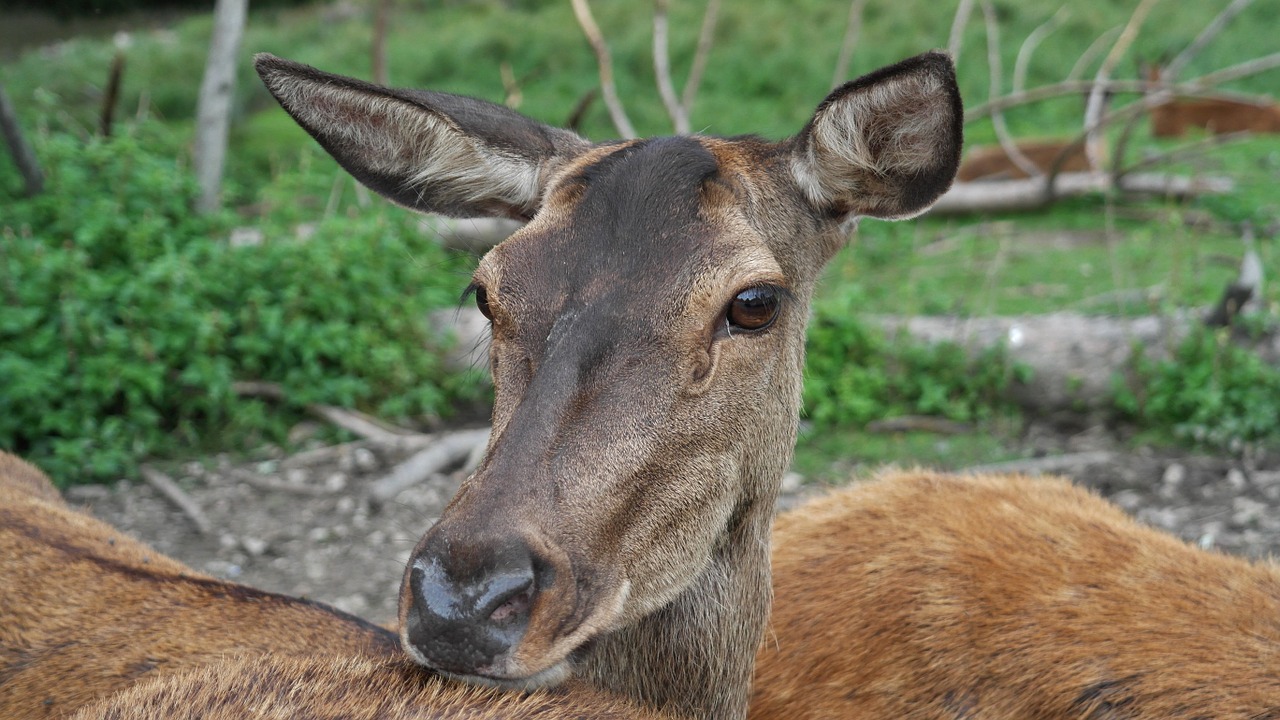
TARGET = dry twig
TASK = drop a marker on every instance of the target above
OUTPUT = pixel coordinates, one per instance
(604, 62)
(449, 450)
(1036, 466)
(852, 28)
(176, 495)
(1210, 31)
(1029, 45)
(1007, 143)
(963, 10)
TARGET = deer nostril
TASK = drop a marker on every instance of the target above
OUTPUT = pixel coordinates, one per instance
(515, 608)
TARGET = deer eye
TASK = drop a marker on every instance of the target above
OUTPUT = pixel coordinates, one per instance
(482, 300)
(754, 308)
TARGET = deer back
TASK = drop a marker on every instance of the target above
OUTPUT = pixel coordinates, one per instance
(931, 596)
(86, 610)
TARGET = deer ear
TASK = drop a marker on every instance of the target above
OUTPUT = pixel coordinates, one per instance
(428, 151)
(885, 145)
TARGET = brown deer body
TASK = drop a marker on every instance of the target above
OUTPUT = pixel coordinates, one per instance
(1219, 116)
(992, 162)
(935, 597)
(86, 611)
(648, 336)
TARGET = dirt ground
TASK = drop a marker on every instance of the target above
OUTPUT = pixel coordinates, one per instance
(303, 525)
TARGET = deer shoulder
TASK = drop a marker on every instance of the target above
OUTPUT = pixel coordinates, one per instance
(924, 595)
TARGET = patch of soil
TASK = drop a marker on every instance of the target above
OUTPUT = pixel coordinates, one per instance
(310, 531)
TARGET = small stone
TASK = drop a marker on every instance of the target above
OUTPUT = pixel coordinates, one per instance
(1236, 479)
(346, 505)
(254, 546)
(364, 459)
(791, 482)
(1129, 500)
(319, 534)
(227, 541)
(336, 482)
(1247, 511)
(1174, 475)
(377, 537)
(296, 476)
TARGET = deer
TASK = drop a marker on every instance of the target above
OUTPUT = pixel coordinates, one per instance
(647, 329)
(992, 162)
(647, 341)
(86, 611)
(1219, 116)
(930, 596)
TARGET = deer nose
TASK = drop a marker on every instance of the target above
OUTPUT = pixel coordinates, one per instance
(470, 608)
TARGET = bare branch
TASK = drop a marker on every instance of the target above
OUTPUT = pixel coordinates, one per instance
(662, 69)
(510, 86)
(852, 28)
(1091, 52)
(1095, 105)
(176, 495)
(705, 37)
(609, 91)
(1215, 26)
(378, 50)
(1235, 72)
(23, 156)
(963, 10)
(1188, 150)
(449, 450)
(1029, 46)
(1010, 147)
(1196, 87)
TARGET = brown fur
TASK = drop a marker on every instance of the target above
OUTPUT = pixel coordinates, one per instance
(86, 611)
(991, 162)
(19, 476)
(1215, 115)
(935, 597)
(273, 687)
(617, 527)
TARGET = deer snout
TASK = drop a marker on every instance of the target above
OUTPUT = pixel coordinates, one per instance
(468, 611)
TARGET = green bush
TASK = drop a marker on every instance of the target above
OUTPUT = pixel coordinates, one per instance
(855, 374)
(1210, 391)
(125, 318)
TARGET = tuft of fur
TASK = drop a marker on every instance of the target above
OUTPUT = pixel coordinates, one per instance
(930, 596)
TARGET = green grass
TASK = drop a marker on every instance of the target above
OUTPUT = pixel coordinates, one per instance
(832, 456)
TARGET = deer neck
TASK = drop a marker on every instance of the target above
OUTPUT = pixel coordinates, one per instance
(695, 656)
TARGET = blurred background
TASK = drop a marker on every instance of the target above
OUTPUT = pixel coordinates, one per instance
(190, 290)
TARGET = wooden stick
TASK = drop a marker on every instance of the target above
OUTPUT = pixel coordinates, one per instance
(852, 29)
(609, 91)
(1029, 45)
(174, 494)
(963, 10)
(1171, 71)
(706, 35)
(997, 118)
(449, 450)
(1037, 466)
(662, 69)
(263, 482)
(23, 156)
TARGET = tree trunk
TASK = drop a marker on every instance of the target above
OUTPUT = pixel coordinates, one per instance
(213, 110)
(23, 155)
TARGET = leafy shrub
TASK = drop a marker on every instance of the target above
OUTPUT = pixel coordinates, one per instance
(125, 318)
(854, 374)
(1211, 391)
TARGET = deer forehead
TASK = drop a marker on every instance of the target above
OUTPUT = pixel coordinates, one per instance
(649, 230)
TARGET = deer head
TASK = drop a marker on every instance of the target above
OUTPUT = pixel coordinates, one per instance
(647, 345)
